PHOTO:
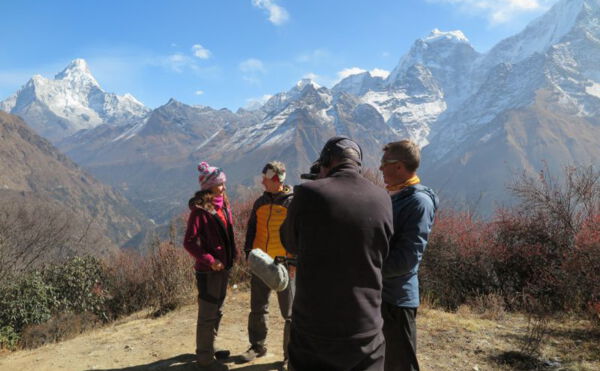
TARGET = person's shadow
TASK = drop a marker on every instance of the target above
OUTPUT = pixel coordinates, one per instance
(187, 362)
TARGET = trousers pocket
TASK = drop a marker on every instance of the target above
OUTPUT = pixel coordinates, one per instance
(211, 286)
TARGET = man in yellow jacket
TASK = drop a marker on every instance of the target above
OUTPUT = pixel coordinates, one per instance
(267, 215)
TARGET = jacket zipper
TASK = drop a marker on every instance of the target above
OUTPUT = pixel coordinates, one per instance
(268, 230)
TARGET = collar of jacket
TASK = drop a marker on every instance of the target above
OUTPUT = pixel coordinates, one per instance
(348, 166)
(213, 211)
(411, 190)
(285, 192)
(393, 189)
(224, 226)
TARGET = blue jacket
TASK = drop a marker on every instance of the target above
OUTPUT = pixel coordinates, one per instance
(414, 210)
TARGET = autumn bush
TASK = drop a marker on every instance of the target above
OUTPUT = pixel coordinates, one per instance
(457, 264)
(59, 300)
(540, 256)
(172, 278)
(127, 283)
(161, 281)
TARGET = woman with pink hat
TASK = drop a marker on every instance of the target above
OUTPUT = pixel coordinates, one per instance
(209, 239)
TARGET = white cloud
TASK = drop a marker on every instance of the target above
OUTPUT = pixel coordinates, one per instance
(181, 63)
(199, 92)
(349, 72)
(200, 51)
(376, 72)
(277, 14)
(252, 65)
(319, 79)
(177, 62)
(312, 76)
(257, 102)
(499, 11)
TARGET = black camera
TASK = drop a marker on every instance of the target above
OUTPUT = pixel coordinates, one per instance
(314, 171)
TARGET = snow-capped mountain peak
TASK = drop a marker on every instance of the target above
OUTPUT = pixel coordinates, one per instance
(439, 50)
(78, 72)
(541, 34)
(436, 35)
(72, 101)
(360, 83)
(300, 85)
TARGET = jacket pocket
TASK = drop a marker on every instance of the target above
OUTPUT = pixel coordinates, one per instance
(212, 286)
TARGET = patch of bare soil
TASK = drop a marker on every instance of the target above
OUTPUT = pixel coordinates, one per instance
(447, 341)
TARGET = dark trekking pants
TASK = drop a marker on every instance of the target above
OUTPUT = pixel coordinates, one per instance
(309, 353)
(212, 287)
(259, 309)
(400, 331)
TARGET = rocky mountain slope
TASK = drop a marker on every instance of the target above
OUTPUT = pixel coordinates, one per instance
(537, 106)
(33, 172)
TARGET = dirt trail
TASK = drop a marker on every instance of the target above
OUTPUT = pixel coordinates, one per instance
(446, 342)
(141, 343)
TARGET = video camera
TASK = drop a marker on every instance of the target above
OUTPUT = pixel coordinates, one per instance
(314, 171)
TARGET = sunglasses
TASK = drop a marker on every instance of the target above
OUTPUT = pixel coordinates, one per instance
(385, 162)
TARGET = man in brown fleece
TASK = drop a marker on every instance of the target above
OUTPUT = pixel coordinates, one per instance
(339, 226)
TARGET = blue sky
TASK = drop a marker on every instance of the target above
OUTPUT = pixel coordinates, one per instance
(227, 53)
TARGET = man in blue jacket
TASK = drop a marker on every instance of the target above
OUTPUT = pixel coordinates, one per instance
(414, 207)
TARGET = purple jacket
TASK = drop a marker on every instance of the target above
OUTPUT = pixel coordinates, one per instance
(207, 238)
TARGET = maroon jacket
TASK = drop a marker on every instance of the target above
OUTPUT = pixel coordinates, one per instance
(207, 238)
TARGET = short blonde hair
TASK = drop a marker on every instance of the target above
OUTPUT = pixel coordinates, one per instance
(405, 151)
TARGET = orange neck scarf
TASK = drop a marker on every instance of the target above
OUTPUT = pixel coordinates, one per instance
(398, 187)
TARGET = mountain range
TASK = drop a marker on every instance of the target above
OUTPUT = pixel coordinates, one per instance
(481, 118)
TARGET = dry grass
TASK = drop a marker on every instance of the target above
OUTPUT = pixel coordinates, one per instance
(466, 339)
(447, 341)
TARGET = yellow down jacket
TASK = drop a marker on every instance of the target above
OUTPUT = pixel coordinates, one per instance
(267, 215)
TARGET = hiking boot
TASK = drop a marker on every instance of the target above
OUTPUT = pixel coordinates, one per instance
(222, 354)
(253, 353)
(213, 366)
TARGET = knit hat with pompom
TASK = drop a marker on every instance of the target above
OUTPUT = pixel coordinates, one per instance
(210, 176)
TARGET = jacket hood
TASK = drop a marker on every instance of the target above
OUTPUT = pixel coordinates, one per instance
(195, 203)
(348, 165)
(411, 190)
(192, 203)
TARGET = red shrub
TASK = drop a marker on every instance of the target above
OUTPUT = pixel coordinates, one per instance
(128, 283)
(582, 267)
(457, 263)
